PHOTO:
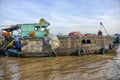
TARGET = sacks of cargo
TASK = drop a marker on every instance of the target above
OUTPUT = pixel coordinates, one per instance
(75, 34)
(53, 41)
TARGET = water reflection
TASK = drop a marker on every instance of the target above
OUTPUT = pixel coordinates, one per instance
(1, 74)
(114, 67)
(88, 67)
(9, 69)
(14, 69)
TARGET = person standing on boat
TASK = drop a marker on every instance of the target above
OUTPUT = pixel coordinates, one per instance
(100, 33)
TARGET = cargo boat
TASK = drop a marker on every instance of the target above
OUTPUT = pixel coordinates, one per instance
(86, 45)
(34, 40)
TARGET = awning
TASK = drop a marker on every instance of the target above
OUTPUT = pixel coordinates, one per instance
(11, 28)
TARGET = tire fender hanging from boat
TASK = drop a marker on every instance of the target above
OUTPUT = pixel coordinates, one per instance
(80, 52)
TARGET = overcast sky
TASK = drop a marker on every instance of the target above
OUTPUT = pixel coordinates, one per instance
(64, 15)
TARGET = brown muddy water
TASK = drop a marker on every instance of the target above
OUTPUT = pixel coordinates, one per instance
(88, 67)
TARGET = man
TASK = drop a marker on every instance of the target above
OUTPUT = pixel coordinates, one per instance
(100, 33)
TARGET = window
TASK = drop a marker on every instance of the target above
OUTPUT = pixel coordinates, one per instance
(37, 28)
(88, 41)
(83, 41)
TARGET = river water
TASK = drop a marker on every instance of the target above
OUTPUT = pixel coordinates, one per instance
(88, 67)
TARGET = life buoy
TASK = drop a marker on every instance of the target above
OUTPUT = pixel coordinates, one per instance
(55, 54)
(52, 53)
(80, 52)
(117, 39)
(110, 46)
(49, 54)
(103, 51)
